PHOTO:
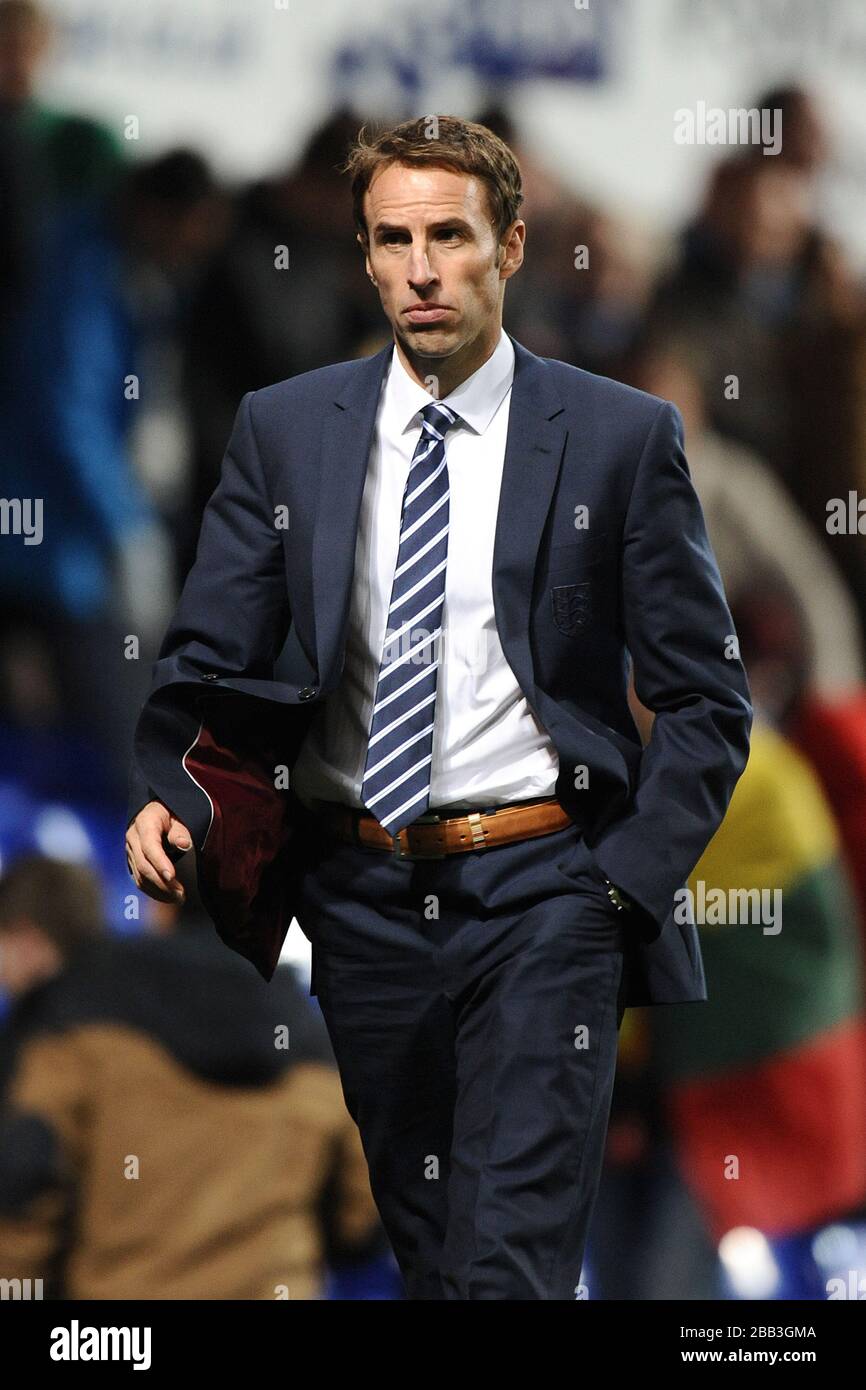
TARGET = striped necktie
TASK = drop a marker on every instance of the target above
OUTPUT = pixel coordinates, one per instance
(396, 783)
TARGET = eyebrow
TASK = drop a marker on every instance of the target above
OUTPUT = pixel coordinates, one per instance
(383, 227)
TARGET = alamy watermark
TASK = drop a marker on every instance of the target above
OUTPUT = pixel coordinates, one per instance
(730, 907)
(22, 516)
(738, 125)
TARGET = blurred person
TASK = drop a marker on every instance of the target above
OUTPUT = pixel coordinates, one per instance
(50, 912)
(755, 527)
(780, 316)
(752, 239)
(826, 356)
(288, 264)
(587, 292)
(108, 307)
(775, 1079)
(805, 139)
(736, 287)
(538, 887)
(826, 368)
(810, 636)
(94, 426)
(75, 156)
(581, 293)
(649, 1240)
(169, 1126)
(770, 1077)
(759, 276)
(773, 1072)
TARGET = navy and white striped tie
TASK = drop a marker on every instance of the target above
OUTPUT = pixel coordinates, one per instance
(396, 783)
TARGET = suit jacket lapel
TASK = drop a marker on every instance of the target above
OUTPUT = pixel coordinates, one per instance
(346, 438)
(533, 456)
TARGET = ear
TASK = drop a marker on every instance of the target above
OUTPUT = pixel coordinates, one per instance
(511, 248)
(365, 248)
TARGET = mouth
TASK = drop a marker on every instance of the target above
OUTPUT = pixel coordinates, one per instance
(427, 313)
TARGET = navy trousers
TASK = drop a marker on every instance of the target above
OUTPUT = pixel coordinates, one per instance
(473, 1003)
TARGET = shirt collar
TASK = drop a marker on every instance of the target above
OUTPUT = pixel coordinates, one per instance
(476, 399)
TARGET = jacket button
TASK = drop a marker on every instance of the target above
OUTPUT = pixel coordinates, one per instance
(210, 676)
(307, 692)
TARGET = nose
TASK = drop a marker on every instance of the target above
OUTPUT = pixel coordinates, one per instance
(419, 272)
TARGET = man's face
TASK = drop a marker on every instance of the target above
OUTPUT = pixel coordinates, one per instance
(435, 258)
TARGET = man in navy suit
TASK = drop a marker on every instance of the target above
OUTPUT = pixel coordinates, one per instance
(393, 702)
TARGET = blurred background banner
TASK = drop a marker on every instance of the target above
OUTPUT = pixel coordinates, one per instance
(175, 231)
(594, 85)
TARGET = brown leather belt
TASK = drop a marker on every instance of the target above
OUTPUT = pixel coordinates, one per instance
(436, 834)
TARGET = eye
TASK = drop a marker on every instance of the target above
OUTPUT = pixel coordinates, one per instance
(449, 233)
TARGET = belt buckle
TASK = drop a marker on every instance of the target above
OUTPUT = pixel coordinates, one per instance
(398, 852)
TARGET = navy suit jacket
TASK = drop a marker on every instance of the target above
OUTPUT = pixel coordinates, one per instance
(270, 587)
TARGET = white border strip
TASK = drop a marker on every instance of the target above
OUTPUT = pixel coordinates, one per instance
(198, 784)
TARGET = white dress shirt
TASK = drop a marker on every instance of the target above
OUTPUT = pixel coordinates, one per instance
(488, 747)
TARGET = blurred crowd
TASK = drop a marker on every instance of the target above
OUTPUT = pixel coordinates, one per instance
(140, 298)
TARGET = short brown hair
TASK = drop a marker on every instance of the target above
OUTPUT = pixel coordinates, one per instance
(464, 146)
(63, 900)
